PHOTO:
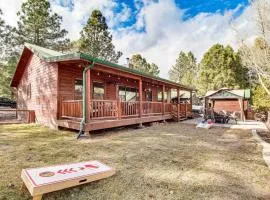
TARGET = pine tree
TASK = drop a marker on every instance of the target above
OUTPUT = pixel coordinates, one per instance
(185, 69)
(7, 70)
(2, 34)
(221, 67)
(96, 39)
(4, 38)
(38, 25)
(139, 63)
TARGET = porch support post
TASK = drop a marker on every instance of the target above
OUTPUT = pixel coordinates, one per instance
(178, 105)
(163, 99)
(140, 101)
(88, 95)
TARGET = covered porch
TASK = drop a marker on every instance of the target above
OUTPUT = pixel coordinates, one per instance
(116, 98)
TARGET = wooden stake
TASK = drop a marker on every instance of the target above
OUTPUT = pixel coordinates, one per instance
(39, 197)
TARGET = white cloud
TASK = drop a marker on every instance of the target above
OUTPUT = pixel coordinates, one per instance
(165, 35)
(10, 9)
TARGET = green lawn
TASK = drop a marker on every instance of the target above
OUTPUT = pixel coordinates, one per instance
(172, 161)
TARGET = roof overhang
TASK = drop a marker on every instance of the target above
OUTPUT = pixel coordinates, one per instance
(24, 59)
(216, 96)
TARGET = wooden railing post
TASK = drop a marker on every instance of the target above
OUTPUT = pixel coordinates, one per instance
(119, 108)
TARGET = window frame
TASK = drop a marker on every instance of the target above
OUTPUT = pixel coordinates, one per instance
(76, 93)
(136, 91)
(28, 91)
(93, 89)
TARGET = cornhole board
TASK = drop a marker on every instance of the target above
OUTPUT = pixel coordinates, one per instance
(48, 179)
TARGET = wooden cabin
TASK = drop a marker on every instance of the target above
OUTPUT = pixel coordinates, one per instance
(51, 84)
(230, 100)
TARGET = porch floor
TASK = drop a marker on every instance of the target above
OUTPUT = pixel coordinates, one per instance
(110, 123)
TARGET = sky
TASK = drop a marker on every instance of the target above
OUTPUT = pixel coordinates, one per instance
(157, 29)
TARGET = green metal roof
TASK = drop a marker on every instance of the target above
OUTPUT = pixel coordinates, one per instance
(43, 52)
(54, 56)
(244, 93)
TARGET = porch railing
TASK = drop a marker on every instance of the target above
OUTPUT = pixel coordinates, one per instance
(103, 109)
(150, 107)
(112, 109)
(129, 108)
(71, 109)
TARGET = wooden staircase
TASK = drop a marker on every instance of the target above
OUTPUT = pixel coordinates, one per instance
(182, 116)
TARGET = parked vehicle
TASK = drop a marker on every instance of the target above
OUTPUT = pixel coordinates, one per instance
(5, 102)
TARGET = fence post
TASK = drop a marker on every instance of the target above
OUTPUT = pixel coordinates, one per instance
(268, 120)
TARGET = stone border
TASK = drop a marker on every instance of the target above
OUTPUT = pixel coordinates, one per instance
(265, 145)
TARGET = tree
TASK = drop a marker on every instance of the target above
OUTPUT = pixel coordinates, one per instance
(260, 98)
(257, 57)
(139, 63)
(4, 38)
(96, 39)
(2, 33)
(221, 67)
(38, 25)
(7, 70)
(185, 69)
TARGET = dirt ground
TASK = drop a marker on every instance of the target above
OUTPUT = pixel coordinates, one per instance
(171, 161)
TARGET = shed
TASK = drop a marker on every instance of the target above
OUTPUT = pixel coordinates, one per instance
(231, 100)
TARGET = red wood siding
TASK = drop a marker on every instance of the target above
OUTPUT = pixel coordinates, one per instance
(68, 74)
(229, 105)
(41, 80)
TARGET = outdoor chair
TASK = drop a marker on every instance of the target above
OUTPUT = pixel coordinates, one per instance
(234, 117)
(220, 118)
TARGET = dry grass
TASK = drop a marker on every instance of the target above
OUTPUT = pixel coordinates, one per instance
(172, 161)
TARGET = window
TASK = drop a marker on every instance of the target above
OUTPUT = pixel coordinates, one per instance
(160, 96)
(28, 91)
(98, 90)
(148, 95)
(127, 93)
(78, 89)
